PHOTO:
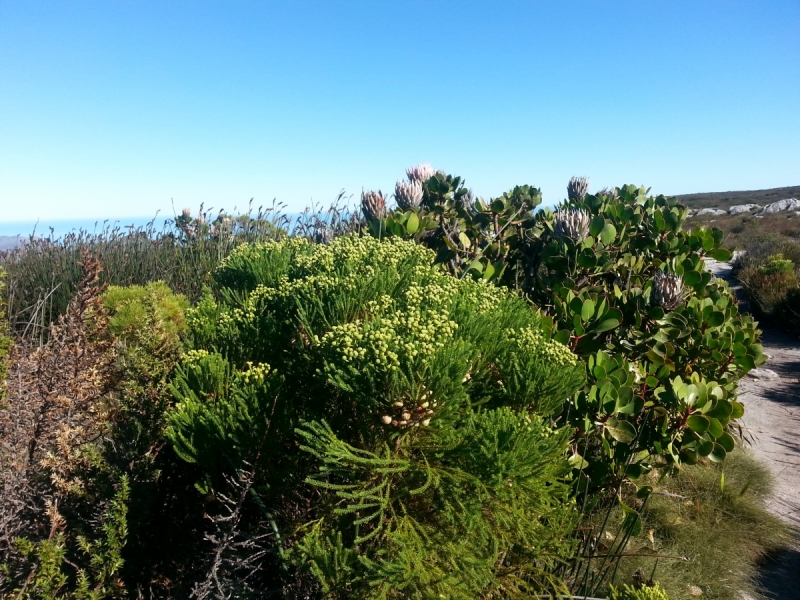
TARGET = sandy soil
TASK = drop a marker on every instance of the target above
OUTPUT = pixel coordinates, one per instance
(771, 396)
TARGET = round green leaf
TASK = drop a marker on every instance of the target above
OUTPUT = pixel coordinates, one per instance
(718, 454)
(698, 423)
(726, 441)
(596, 225)
(608, 234)
(715, 428)
(692, 278)
(737, 410)
(721, 411)
(412, 224)
(587, 309)
(605, 325)
(622, 431)
(705, 448)
(720, 254)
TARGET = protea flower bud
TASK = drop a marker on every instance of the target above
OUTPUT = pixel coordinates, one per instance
(323, 235)
(408, 194)
(467, 201)
(667, 290)
(421, 172)
(577, 188)
(187, 213)
(373, 205)
(572, 223)
(386, 420)
(608, 193)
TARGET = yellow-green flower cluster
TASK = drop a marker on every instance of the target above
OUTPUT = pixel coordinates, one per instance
(550, 351)
(193, 356)
(255, 373)
(410, 329)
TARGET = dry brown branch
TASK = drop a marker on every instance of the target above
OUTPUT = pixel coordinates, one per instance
(57, 410)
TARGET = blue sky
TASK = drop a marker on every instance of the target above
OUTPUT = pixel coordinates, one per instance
(120, 108)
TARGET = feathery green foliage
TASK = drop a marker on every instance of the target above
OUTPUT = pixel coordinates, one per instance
(397, 418)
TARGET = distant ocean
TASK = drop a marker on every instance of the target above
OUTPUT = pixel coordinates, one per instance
(59, 228)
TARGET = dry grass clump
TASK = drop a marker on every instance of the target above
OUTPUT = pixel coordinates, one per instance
(711, 522)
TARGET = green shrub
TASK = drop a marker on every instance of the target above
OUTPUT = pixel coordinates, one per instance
(44, 273)
(626, 288)
(392, 424)
(631, 293)
(768, 289)
(777, 264)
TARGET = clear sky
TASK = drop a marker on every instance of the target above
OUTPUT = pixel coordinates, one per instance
(116, 108)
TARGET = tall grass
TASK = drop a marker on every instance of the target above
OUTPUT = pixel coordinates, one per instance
(704, 530)
(43, 273)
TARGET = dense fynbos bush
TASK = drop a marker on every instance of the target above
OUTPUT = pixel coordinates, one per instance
(625, 287)
(391, 424)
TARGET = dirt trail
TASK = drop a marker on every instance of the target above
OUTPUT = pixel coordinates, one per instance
(771, 396)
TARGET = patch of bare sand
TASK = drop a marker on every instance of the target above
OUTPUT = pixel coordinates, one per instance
(772, 425)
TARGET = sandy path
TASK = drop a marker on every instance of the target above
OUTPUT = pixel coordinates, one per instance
(771, 396)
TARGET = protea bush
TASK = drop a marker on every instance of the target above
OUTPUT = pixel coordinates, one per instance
(627, 289)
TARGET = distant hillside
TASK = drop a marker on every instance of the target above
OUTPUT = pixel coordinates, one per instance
(728, 199)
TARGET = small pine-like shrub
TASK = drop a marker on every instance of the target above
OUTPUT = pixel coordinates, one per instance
(389, 426)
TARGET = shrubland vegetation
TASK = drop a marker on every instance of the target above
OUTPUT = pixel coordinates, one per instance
(454, 398)
(762, 243)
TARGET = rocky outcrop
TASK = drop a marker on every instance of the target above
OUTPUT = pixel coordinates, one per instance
(742, 208)
(709, 211)
(780, 205)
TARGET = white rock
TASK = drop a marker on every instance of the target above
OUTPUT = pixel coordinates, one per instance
(742, 208)
(765, 374)
(709, 211)
(780, 205)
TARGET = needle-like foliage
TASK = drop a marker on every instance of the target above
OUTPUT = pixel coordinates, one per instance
(397, 420)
